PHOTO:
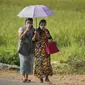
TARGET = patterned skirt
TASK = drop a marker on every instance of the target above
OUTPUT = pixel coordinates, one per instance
(43, 66)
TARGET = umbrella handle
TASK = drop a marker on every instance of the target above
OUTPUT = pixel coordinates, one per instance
(36, 23)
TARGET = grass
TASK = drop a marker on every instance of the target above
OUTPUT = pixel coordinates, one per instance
(67, 26)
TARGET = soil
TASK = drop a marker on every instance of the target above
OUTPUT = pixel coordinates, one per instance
(55, 80)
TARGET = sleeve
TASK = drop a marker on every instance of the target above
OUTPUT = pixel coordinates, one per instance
(20, 30)
(49, 35)
(37, 35)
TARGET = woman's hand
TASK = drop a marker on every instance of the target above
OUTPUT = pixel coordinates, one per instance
(34, 37)
(27, 28)
(22, 35)
(44, 29)
(50, 40)
(47, 34)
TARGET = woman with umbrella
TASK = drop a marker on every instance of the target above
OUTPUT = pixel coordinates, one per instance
(26, 48)
(43, 66)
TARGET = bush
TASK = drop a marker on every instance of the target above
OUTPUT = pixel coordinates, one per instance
(76, 64)
(9, 58)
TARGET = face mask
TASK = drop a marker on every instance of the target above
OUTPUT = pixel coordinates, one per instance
(28, 25)
(42, 27)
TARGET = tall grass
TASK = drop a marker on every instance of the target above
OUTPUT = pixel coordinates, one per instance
(67, 27)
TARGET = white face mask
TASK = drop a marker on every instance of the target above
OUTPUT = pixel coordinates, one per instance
(28, 25)
(42, 27)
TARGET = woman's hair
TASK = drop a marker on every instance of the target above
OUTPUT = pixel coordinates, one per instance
(30, 19)
(43, 21)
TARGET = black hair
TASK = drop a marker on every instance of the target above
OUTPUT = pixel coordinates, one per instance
(39, 29)
(30, 19)
(43, 21)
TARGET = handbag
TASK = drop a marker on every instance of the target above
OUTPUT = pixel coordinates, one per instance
(51, 48)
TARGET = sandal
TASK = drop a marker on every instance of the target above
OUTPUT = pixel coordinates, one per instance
(47, 80)
(24, 80)
(41, 80)
(28, 80)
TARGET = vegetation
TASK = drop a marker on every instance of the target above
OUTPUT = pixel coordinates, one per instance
(67, 27)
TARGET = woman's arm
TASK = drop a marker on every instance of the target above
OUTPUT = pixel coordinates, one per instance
(22, 34)
(36, 36)
(49, 36)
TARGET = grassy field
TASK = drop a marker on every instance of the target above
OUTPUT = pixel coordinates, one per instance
(67, 27)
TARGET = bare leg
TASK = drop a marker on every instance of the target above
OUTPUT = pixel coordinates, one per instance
(47, 79)
(41, 80)
(26, 76)
(23, 78)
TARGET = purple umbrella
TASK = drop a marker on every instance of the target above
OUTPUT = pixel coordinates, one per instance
(35, 11)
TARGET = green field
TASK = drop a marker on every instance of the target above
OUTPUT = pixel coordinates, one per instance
(67, 27)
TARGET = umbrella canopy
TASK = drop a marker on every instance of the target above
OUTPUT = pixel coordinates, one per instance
(35, 11)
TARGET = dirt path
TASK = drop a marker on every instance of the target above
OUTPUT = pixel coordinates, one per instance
(56, 80)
